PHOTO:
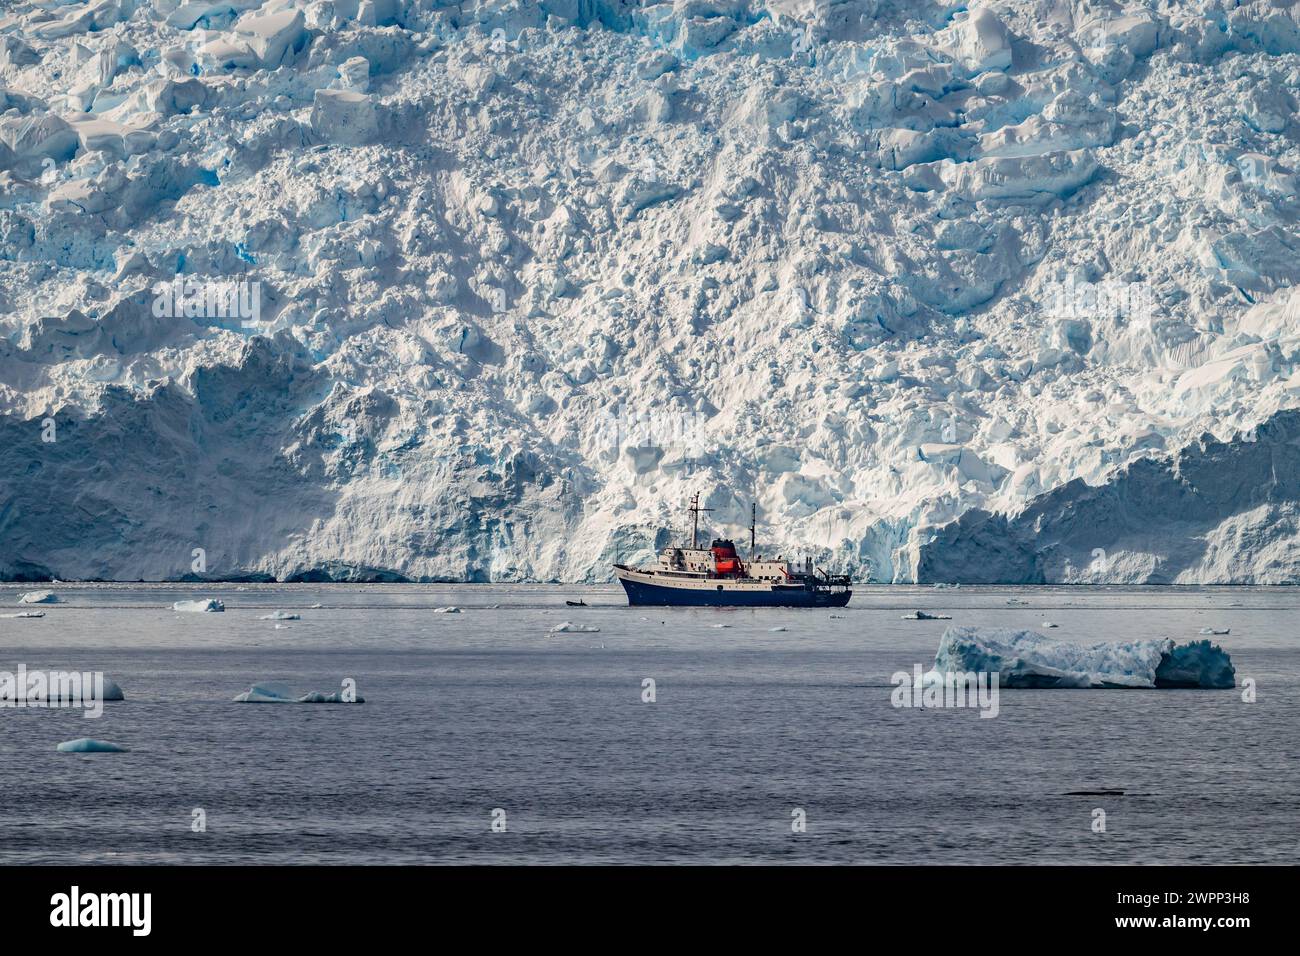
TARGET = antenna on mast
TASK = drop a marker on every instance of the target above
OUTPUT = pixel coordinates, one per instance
(695, 510)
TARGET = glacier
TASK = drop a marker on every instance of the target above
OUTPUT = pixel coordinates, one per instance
(397, 290)
(1028, 659)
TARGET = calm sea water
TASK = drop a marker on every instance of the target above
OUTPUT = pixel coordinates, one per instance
(467, 713)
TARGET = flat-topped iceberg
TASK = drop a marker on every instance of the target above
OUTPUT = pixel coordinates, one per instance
(1028, 659)
(568, 627)
(274, 693)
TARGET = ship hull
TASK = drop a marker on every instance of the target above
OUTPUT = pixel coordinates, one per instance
(649, 594)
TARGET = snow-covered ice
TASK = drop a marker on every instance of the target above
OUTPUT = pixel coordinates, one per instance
(277, 693)
(280, 616)
(205, 605)
(919, 278)
(1028, 659)
(568, 627)
(39, 597)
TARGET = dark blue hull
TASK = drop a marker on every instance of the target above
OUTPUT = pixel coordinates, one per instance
(639, 593)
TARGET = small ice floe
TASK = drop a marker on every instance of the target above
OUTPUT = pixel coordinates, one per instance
(944, 586)
(837, 617)
(776, 629)
(720, 625)
(568, 627)
(1050, 624)
(280, 616)
(39, 597)
(1217, 631)
(88, 745)
(315, 607)
(24, 614)
(274, 693)
(923, 616)
(451, 609)
(281, 627)
(209, 605)
(80, 692)
(1016, 601)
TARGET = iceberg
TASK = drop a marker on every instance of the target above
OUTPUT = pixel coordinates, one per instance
(88, 745)
(276, 693)
(280, 616)
(69, 693)
(199, 607)
(924, 616)
(39, 597)
(568, 627)
(24, 614)
(1027, 659)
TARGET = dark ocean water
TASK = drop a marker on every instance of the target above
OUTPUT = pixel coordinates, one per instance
(466, 713)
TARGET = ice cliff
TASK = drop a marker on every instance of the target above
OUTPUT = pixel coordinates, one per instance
(1028, 659)
(413, 289)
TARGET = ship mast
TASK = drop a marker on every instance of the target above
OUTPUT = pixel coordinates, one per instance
(753, 520)
(695, 510)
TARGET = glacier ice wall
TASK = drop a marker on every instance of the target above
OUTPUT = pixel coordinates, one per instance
(525, 275)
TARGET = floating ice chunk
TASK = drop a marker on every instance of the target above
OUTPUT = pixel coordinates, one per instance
(1217, 631)
(24, 614)
(88, 745)
(276, 693)
(79, 692)
(280, 616)
(1049, 624)
(316, 697)
(1028, 659)
(923, 616)
(266, 694)
(775, 630)
(200, 606)
(568, 627)
(450, 609)
(39, 597)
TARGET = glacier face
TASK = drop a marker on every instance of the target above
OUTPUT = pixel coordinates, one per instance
(513, 279)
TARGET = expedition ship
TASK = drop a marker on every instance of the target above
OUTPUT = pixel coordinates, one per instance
(717, 577)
